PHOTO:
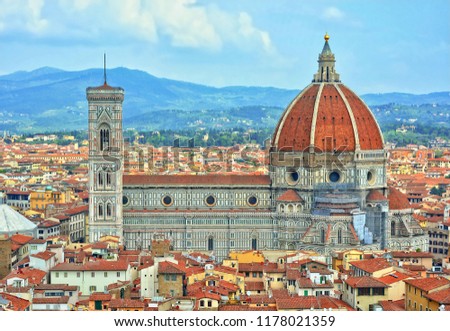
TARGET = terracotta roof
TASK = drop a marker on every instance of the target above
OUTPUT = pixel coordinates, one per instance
(21, 239)
(428, 284)
(38, 241)
(333, 126)
(34, 276)
(397, 200)
(17, 304)
(315, 302)
(442, 296)
(393, 278)
(290, 196)
(54, 300)
(201, 180)
(246, 308)
(371, 265)
(99, 265)
(375, 195)
(77, 210)
(62, 287)
(389, 305)
(125, 303)
(403, 254)
(167, 267)
(362, 282)
(46, 255)
(254, 286)
(99, 296)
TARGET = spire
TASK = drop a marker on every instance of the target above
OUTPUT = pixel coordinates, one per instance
(326, 72)
(104, 68)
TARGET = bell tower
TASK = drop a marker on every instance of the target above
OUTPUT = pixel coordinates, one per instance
(105, 160)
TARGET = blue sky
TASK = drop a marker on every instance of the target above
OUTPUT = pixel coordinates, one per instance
(380, 45)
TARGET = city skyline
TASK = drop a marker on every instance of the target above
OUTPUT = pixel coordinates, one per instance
(380, 47)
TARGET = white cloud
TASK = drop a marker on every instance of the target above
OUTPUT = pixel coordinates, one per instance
(333, 13)
(247, 29)
(184, 23)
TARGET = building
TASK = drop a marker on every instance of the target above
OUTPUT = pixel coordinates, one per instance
(419, 293)
(92, 276)
(41, 198)
(326, 189)
(5, 255)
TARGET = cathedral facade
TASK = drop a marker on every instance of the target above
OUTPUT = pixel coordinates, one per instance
(326, 189)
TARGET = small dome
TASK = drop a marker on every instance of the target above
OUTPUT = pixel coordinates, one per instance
(12, 222)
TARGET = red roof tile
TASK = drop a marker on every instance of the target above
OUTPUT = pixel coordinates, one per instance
(99, 296)
(389, 305)
(428, 284)
(125, 303)
(442, 296)
(17, 304)
(167, 267)
(290, 196)
(397, 200)
(254, 286)
(21, 239)
(46, 255)
(371, 265)
(376, 195)
(57, 300)
(366, 281)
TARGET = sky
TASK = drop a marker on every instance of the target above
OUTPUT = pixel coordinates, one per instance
(380, 45)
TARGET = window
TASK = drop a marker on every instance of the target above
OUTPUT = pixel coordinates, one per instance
(56, 274)
(167, 277)
(378, 291)
(254, 275)
(108, 210)
(105, 274)
(209, 303)
(364, 291)
(65, 275)
(202, 303)
(118, 273)
(254, 244)
(78, 274)
(210, 244)
(174, 277)
(93, 274)
(92, 288)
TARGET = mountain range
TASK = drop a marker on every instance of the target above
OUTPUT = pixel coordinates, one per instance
(50, 99)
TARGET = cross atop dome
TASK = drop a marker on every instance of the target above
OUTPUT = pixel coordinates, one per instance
(326, 72)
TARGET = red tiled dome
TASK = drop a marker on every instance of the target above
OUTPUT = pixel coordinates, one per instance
(398, 200)
(327, 116)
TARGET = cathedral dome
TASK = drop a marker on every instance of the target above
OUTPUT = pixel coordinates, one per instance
(327, 116)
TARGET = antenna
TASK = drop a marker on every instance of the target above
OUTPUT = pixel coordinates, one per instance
(104, 67)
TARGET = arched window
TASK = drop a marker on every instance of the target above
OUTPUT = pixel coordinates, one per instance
(322, 235)
(210, 243)
(100, 179)
(339, 236)
(100, 210)
(392, 228)
(104, 139)
(254, 244)
(108, 210)
(108, 179)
